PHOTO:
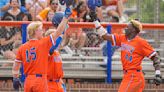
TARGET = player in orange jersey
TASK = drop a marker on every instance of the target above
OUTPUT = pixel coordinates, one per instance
(133, 51)
(34, 56)
(55, 69)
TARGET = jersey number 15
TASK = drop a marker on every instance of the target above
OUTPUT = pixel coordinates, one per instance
(31, 54)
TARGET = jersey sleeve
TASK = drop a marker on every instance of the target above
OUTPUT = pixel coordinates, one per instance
(116, 40)
(18, 56)
(148, 50)
(48, 42)
(43, 14)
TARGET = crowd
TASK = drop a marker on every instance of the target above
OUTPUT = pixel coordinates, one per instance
(44, 10)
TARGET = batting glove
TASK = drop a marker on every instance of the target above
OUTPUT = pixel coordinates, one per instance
(158, 78)
(68, 12)
(16, 84)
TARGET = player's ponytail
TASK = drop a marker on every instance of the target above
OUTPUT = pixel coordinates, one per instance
(32, 27)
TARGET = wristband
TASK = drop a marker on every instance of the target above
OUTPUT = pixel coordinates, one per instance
(157, 72)
(101, 31)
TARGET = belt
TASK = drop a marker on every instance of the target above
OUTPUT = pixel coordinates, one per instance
(37, 75)
(54, 80)
(125, 71)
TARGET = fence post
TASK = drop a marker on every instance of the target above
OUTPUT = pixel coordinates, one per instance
(24, 39)
(109, 58)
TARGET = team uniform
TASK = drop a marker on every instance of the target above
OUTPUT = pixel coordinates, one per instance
(55, 73)
(35, 65)
(132, 53)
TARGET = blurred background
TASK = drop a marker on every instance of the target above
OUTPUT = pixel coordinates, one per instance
(83, 52)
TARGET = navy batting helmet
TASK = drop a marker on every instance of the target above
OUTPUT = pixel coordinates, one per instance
(57, 18)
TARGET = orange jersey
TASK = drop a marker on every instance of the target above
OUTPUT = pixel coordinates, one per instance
(34, 56)
(55, 68)
(133, 51)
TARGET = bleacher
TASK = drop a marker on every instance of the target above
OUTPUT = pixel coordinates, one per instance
(91, 67)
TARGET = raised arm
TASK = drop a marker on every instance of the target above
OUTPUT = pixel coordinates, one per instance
(99, 28)
(6, 7)
(63, 24)
(92, 4)
(102, 31)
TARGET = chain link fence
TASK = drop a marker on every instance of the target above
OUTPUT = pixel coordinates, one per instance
(148, 11)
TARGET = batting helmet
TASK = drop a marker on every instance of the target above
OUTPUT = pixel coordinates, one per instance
(57, 18)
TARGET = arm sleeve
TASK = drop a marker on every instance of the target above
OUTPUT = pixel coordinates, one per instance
(54, 47)
(18, 56)
(148, 50)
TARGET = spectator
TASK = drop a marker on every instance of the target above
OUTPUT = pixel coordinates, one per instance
(11, 54)
(27, 17)
(4, 6)
(35, 6)
(114, 7)
(75, 38)
(43, 15)
(99, 14)
(115, 19)
(7, 38)
(80, 12)
(9, 34)
(14, 12)
(50, 15)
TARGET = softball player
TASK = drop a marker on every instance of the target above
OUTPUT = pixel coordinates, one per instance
(133, 51)
(34, 56)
